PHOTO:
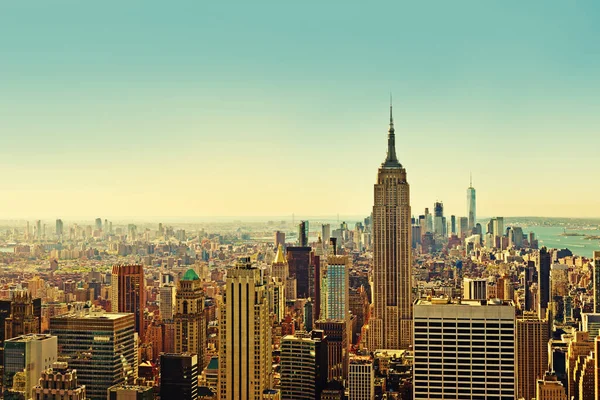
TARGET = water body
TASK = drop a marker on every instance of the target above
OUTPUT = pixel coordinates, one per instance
(550, 236)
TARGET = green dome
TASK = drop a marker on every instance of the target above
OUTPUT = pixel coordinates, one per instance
(190, 275)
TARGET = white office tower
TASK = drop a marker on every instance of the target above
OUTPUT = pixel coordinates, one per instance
(167, 301)
(474, 289)
(464, 350)
(361, 378)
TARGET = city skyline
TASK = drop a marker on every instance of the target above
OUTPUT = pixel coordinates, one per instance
(101, 121)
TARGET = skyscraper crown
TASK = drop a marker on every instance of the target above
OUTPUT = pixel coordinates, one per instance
(391, 161)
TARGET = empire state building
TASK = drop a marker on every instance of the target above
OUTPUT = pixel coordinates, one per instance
(390, 327)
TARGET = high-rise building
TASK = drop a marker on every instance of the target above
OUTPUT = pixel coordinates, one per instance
(361, 378)
(597, 366)
(128, 293)
(179, 376)
(391, 325)
(130, 392)
(279, 239)
(59, 383)
(596, 266)
(550, 388)
(474, 289)
(464, 350)
(23, 317)
(298, 259)
(337, 335)
(245, 364)
(38, 229)
(544, 260)
(98, 224)
(190, 328)
(338, 303)
(303, 234)
(463, 227)
(59, 228)
(100, 346)
(439, 221)
(279, 268)
(325, 233)
(498, 226)
(453, 224)
(471, 205)
(579, 347)
(590, 322)
(28, 354)
(167, 300)
(531, 353)
(303, 366)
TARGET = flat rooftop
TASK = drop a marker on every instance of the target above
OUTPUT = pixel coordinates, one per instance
(92, 315)
(474, 303)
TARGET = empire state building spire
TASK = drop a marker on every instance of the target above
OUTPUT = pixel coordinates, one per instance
(391, 161)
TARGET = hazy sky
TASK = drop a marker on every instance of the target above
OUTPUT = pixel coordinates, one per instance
(174, 108)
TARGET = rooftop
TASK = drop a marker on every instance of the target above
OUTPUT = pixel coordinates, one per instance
(190, 275)
(30, 337)
(456, 302)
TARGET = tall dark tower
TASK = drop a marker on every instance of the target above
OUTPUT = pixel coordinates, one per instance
(391, 325)
(303, 234)
(543, 263)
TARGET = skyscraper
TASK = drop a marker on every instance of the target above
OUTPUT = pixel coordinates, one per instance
(361, 378)
(167, 300)
(338, 303)
(298, 259)
(325, 234)
(391, 325)
(439, 221)
(59, 228)
(596, 266)
(245, 364)
(303, 366)
(128, 294)
(338, 355)
(531, 353)
(30, 354)
(190, 328)
(471, 204)
(100, 346)
(464, 350)
(303, 234)
(179, 376)
(543, 264)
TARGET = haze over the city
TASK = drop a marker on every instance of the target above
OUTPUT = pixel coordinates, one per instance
(266, 108)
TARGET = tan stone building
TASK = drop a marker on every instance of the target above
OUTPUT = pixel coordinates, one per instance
(190, 327)
(531, 353)
(245, 362)
(391, 322)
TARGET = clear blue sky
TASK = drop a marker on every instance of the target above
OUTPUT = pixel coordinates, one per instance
(120, 108)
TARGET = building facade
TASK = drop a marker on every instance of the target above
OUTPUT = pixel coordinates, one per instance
(128, 293)
(179, 376)
(100, 346)
(303, 366)
(190, 327)
(531, 353)
(245, 360)
(59, 383)
(464, 350)
(29, 354)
